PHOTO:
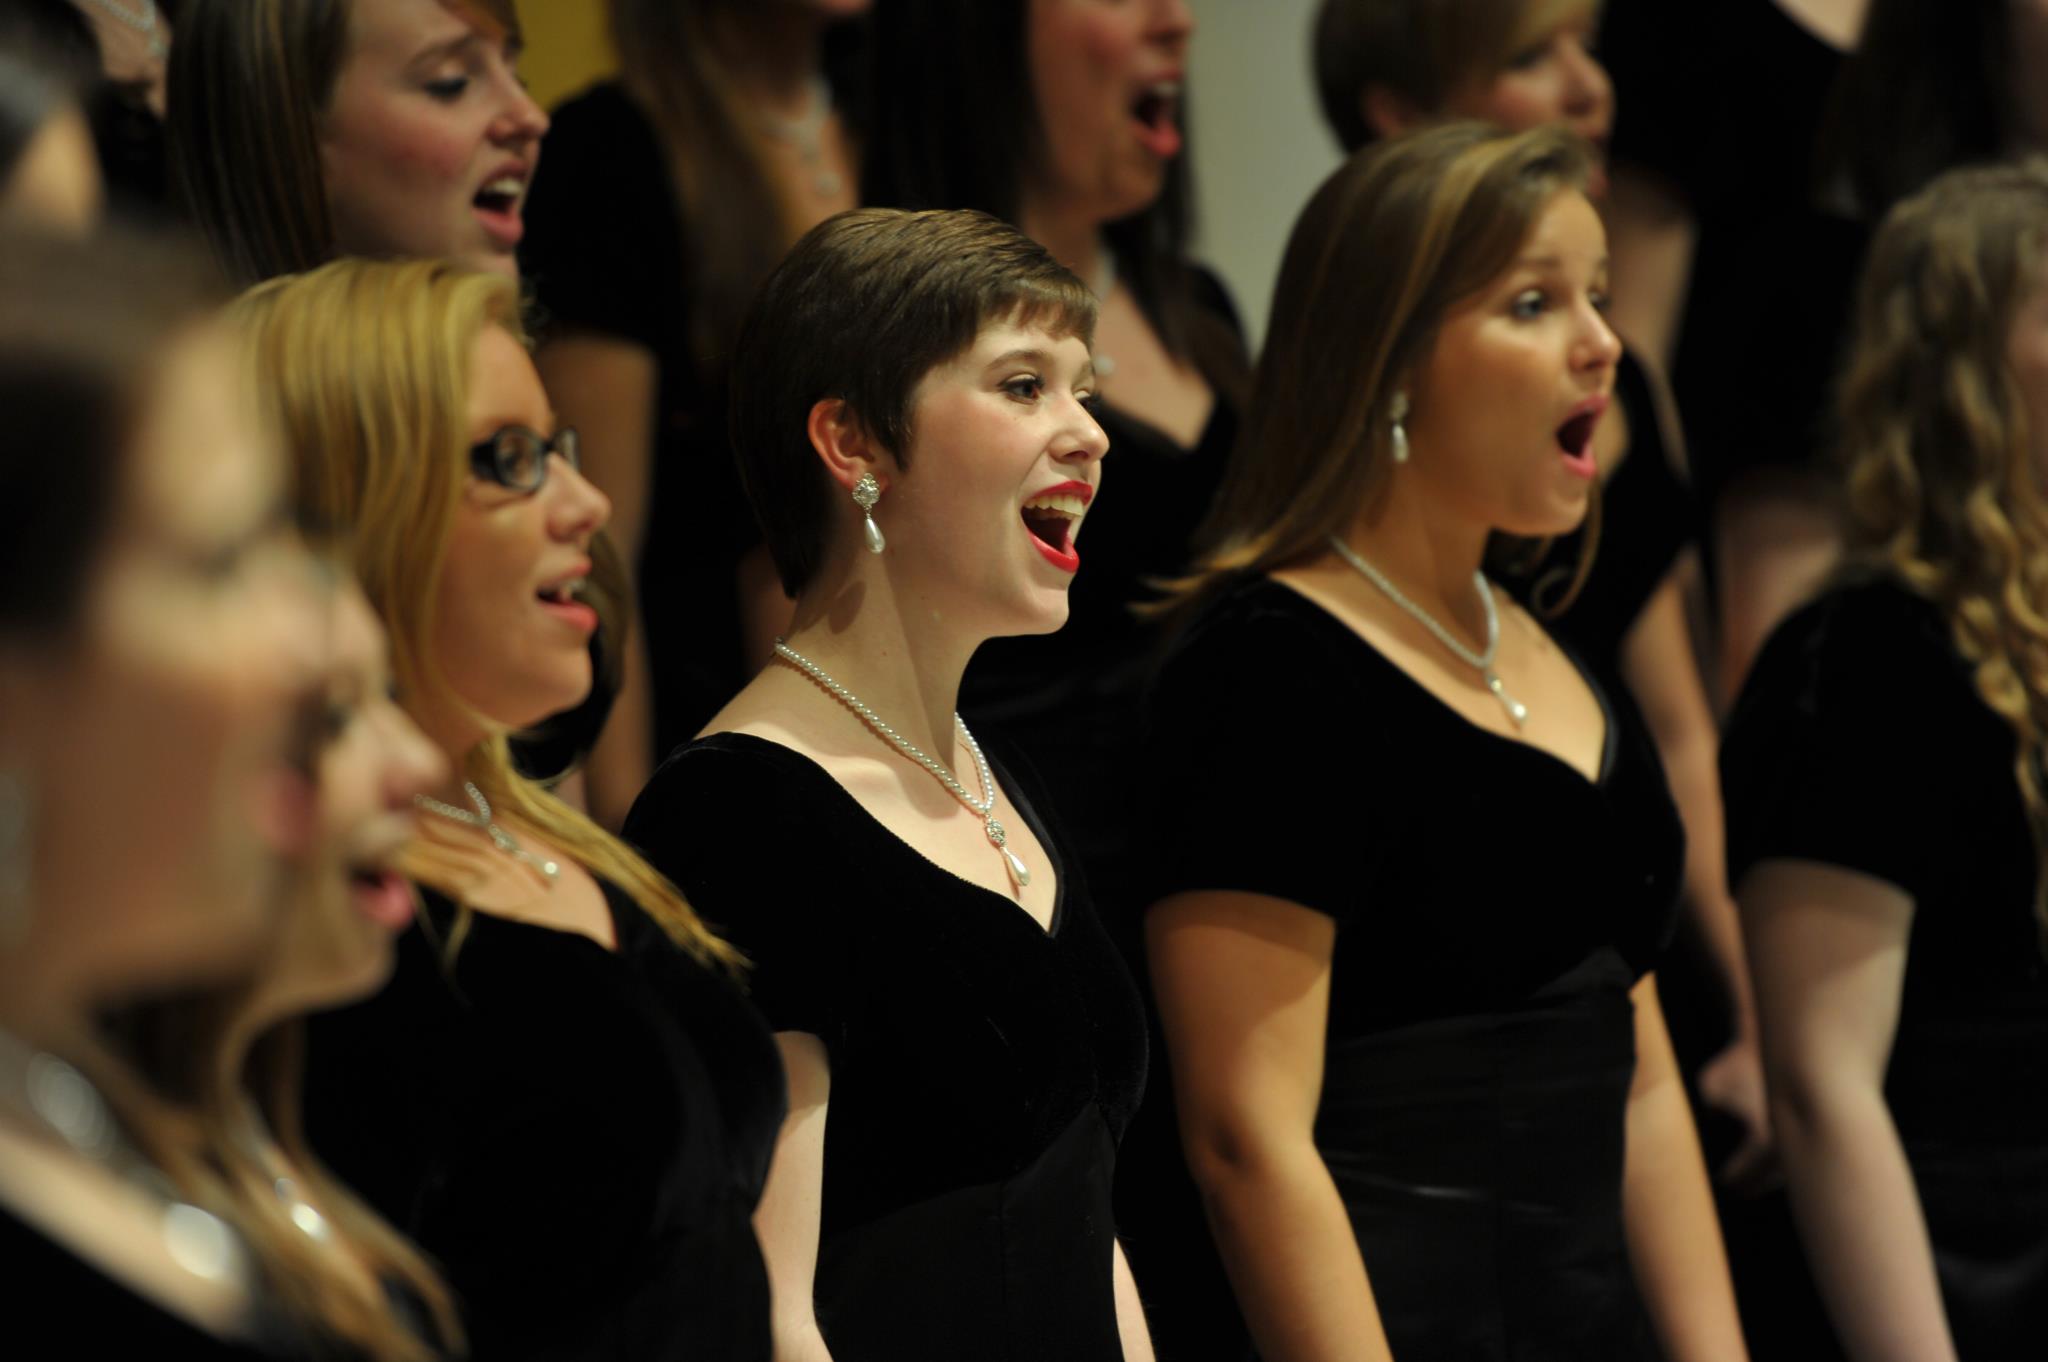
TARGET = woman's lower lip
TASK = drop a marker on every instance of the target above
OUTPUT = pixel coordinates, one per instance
(1161, 139)
(1581, 465)
(574, 613)
(1066, 560)
(387, 901)
(505, 228)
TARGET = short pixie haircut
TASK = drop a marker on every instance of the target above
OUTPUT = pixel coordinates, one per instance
(860, 310)
(1422, 50)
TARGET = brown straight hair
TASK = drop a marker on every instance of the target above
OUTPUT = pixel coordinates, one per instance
(249, 82)
(862, 308)
(1392, 242)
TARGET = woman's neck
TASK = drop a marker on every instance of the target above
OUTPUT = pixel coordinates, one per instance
(904, 664)
(772, 54)
(1428, 556)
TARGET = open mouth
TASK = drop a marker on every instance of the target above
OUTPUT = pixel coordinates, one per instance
(497, 204)
(564, 600)
(1575, 438)
(381, 894)
(1157, 114)
(1049, 518)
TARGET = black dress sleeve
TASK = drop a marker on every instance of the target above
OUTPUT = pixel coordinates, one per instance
(728, 826)
(603, 245)
(1838, 750)
(1251, 801)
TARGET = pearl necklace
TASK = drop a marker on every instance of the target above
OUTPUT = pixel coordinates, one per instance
(482, 820)
(64, 1102)
(984, 808)
(1482, 662)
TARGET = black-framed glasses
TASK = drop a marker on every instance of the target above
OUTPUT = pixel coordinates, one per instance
(517, 458)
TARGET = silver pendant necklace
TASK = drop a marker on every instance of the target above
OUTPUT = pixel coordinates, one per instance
(1482, 662)
(984, 808)
(481, 820)
(805, 134)
(142, 21)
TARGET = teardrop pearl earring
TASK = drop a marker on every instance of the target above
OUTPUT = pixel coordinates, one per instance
(866, 493)
(1398, 411)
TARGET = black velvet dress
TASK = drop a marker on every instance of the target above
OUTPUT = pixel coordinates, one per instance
(1746, 170)
(604, 249)
(983, 1069)
(577, 1136)
(79, 1312)
(1861, 741)
(1493, 909)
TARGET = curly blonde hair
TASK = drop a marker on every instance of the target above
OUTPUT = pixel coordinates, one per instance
(1944, 491)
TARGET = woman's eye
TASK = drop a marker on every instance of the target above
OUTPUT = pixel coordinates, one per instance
(1092, 404)
(1601, 300)
(1529, 57)
(1026, 389)
(1528, 305)
(448, 88)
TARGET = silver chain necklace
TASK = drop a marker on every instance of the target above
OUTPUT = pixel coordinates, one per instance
(805, 133)
(984, 808)
(1482, 662)
(481, 820)
(143, 22)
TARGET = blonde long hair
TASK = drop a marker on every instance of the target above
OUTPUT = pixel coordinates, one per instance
(1944, 492)
(1394, 240)
(366, 367)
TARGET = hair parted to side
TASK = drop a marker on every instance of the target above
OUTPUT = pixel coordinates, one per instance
(1943, 489)
(863, 307)
(1421, 50)
(365, 366)
(1392, 242)
(248, 83)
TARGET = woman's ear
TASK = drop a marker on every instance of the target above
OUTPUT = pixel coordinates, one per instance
(1388, 112)
(843, 444)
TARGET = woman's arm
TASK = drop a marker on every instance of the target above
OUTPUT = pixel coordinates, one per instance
(1130, 1311)
(787, 1219)
(1674, 1238)
(1243, 983)
(1663, 674)
(1828, 948)
(605, 387)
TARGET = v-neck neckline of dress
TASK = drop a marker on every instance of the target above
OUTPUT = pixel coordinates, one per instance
(1597, 783)
(1050, 931)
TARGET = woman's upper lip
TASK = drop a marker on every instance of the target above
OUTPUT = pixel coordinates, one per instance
(1071, 487)
(517, 168)
(580, 568)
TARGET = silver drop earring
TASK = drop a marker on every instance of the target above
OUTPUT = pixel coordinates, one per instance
(866, 493)
(1398, 411)
(17, 831)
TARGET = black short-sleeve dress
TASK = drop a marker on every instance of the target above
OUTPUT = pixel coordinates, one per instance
(983, 1068)
(1746, 170)
(604, 251)
(1860, 741)
(577, 1136)
(78, 1311)
(1493, 909)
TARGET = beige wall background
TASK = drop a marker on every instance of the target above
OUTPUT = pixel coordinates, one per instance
(1260, 145)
